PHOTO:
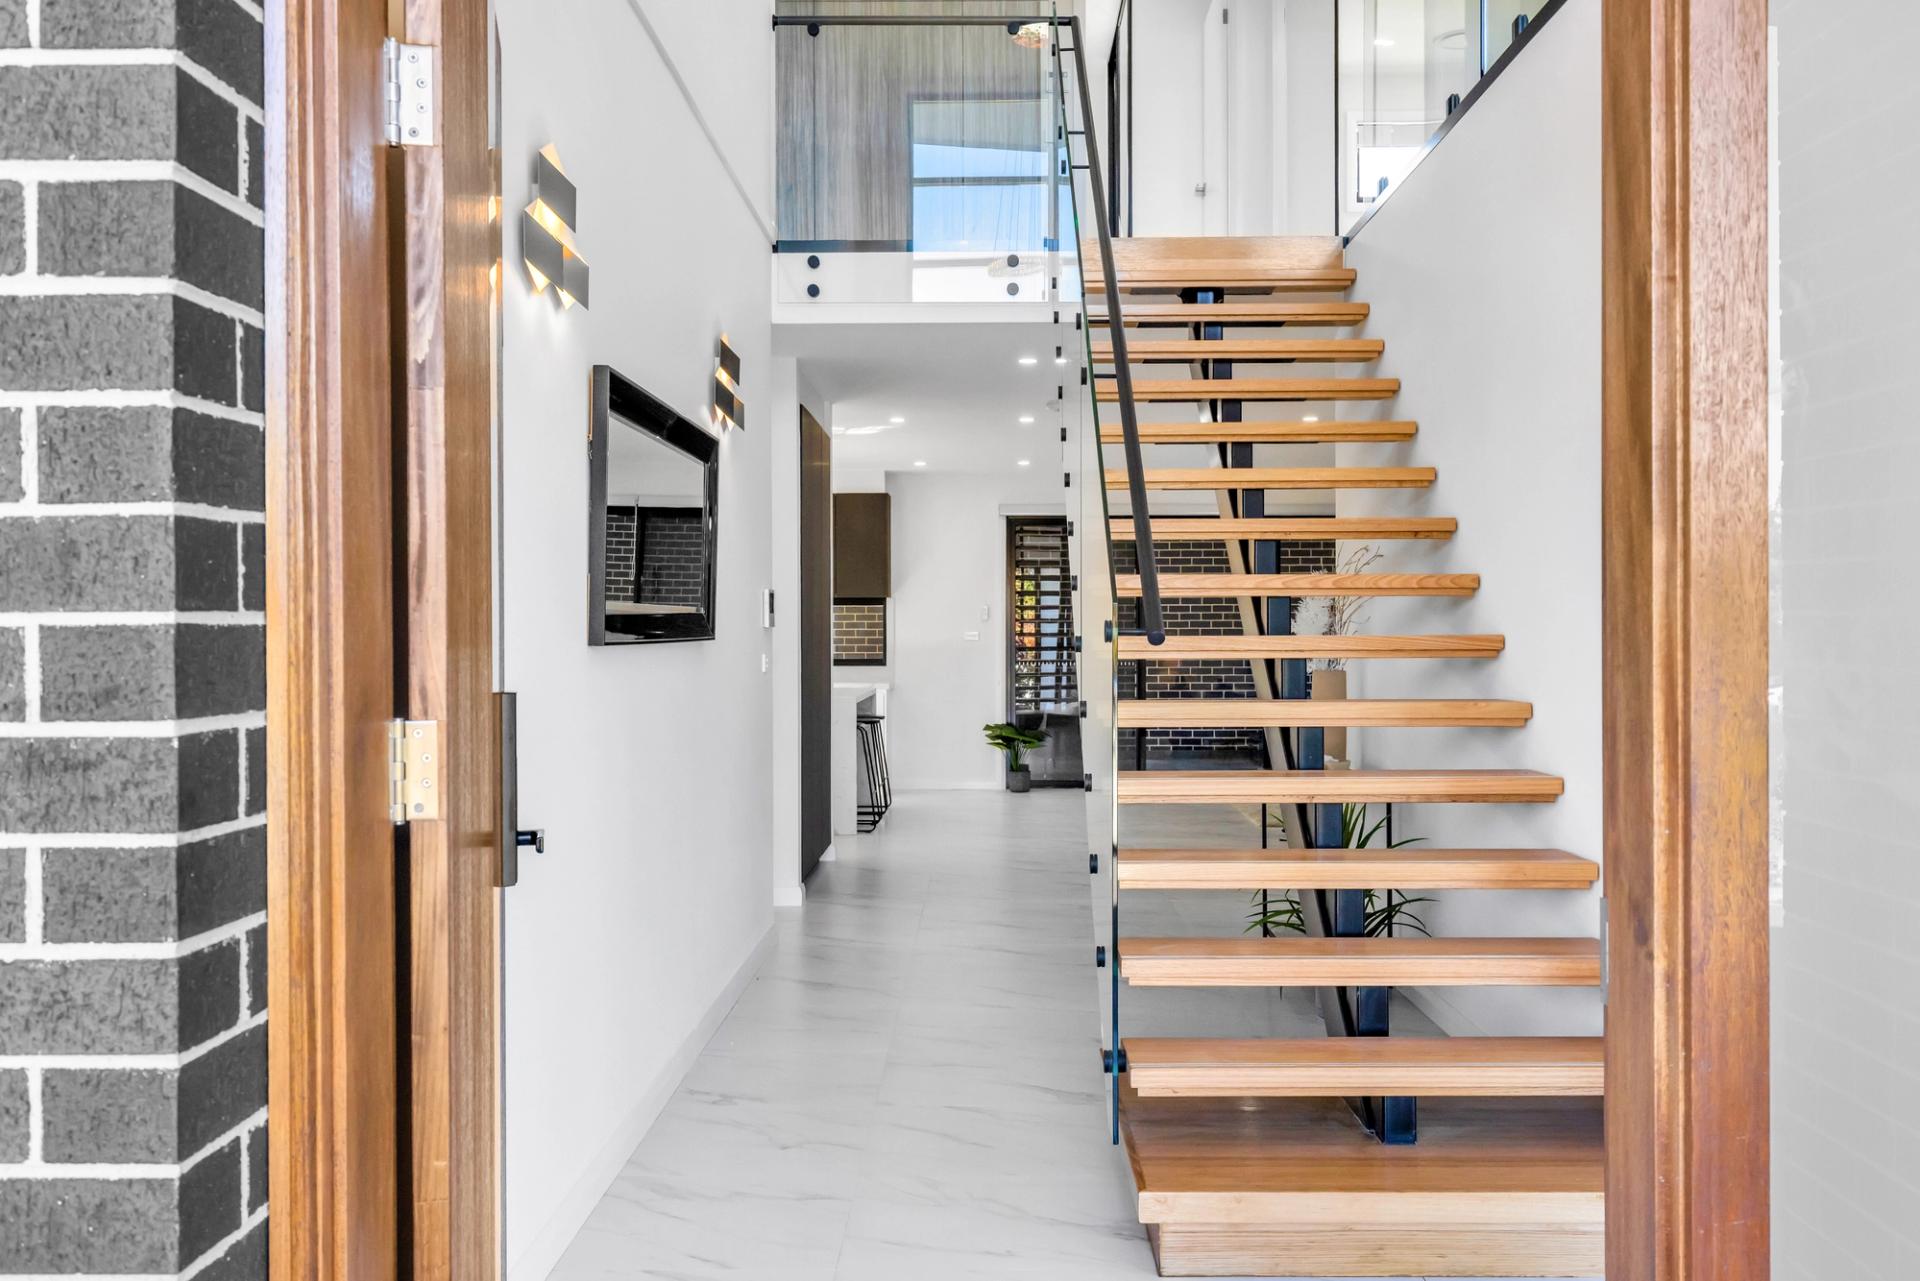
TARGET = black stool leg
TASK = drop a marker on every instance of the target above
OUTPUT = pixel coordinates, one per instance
(871, 811)
(886, 776)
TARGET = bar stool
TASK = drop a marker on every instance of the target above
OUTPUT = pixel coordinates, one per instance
(873, 748)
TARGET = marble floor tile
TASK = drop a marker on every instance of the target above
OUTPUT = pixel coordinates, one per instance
(909, 1089)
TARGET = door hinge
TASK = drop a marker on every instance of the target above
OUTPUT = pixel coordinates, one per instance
(413, 763)
(410, 93)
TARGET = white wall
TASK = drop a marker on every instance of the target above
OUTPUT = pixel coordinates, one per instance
(1483, 271)
(1846, 1045)
(950, 563)
(649, 767)
(1310, 153)
(1168, 110)
(1276, 114)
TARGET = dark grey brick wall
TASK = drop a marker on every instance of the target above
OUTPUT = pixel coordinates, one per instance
(132, 655)
(1205, 678)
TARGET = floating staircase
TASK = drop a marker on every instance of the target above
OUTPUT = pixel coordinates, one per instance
(1364, 1153)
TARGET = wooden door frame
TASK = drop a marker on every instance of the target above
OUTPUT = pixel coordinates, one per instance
(1685, 636)
(333, 1097)
(383, 1163)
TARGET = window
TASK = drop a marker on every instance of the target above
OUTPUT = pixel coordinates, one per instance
(981, 178)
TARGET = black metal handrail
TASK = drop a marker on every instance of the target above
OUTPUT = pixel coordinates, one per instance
(1152, 619)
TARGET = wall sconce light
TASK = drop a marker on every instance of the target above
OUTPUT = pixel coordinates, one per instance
(728, 407)
(546, 232)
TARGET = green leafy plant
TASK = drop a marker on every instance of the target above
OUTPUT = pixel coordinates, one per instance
(1282, 911)
(1015, 742)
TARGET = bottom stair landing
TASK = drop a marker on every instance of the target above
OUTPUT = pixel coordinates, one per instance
(1293, 1187)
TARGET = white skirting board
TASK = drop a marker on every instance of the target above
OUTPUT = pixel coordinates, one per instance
(536, 1260)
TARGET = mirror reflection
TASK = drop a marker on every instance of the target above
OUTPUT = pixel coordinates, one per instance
(653, 486)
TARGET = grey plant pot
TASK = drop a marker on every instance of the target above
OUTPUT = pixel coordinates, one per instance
(1020, 780)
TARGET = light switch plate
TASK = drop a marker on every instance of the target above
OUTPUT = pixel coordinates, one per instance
(970, 636)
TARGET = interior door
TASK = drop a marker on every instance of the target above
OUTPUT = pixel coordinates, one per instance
(444, 260)
(1216, 133)
(816, 642)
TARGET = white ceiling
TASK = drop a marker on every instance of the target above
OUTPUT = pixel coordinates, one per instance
(960, 388)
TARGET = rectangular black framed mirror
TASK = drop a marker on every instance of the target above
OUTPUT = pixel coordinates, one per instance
(652, 517)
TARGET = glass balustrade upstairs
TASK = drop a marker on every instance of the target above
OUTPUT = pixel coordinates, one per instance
(915, 155)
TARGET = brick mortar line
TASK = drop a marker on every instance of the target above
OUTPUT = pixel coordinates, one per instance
(128, 840)
(34, 285)
(130, 398)
(178, 728)
(177, 950)
(41, 56)
(36, 1167)
(256, 1120)
(197, 511)
(131, 171)
(129, 617)
(213, 1254)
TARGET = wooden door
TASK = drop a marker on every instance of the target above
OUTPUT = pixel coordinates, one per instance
(382, 967)
(449, 244)
(816, 642)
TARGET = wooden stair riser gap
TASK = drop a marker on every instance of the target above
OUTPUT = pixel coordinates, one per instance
(1207, 586)
(1339, 431)
(1251, 713)
(1332, 787)
(1207, 529)
(1199, 389)
(1254, 351)
(1234, 311)
(1177, 648)
(1202, 478)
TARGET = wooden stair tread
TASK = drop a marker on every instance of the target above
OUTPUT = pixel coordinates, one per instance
(1144, 350)
(1176, 648)
(1174, 276)
(1236, 311)
(1295, 1186)
(1201, 586)
(1202, 529)
(1277, 477)
(1433, 1067)
(1351, 869)
(1174, 529)
(1274, 713)
(1315, 787)
(1304, 961)
(1211, 1162)
(1277, 433)
(1165, 389)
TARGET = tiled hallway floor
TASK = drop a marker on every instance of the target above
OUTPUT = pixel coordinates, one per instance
(910, 1088)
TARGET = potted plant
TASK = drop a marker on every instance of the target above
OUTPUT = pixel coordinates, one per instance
(1341, 616)
(1274, 912)
(1016, 742)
